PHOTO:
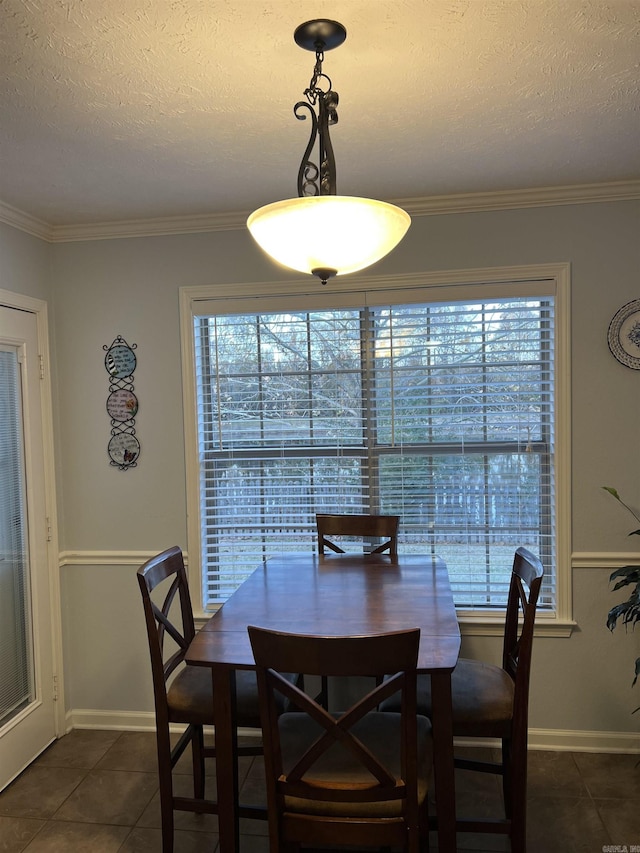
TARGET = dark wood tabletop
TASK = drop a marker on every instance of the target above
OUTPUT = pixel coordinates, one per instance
(335, 594)
(332, 595)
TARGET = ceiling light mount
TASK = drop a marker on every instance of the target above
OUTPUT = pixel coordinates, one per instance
(321, 232)
(320, 34)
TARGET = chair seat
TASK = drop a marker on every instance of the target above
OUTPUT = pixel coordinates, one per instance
(482, 698)
(190, 697)
(380, 733)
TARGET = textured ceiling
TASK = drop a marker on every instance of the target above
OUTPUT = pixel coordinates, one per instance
(135, 109)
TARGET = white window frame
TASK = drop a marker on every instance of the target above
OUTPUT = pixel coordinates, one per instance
(301, 294)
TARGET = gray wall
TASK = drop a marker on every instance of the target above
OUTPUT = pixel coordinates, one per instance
(25, 263)
(103, 288)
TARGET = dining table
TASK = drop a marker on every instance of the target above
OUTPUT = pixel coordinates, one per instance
(333, 595)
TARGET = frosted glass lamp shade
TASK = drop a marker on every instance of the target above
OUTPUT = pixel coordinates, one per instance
(329, 233)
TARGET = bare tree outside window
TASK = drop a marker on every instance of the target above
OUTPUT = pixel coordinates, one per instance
(440, 413)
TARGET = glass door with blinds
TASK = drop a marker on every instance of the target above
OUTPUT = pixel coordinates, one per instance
(442, 413)
(27, 721)
(17, 675)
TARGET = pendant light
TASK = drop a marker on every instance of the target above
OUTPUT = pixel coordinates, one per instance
(320, 232)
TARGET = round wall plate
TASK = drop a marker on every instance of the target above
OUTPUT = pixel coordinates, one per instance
(624, 335)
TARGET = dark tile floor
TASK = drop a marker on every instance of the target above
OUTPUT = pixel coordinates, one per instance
(96, 791)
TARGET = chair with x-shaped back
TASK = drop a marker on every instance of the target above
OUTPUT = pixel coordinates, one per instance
(367, 527)
(183, 694)
(493, 702)
(354, 778)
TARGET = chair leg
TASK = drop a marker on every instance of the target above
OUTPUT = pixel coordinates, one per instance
(197, 751)
(514, 781)
(323, 696)
(166, 789)
(167, 830)
(518, 774)
(507, 777)
(519, 835)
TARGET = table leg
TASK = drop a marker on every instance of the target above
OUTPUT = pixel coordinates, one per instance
(226, 739)
(443, 761)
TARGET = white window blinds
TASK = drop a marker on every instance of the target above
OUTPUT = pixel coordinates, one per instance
(16, 654)
(441, 413)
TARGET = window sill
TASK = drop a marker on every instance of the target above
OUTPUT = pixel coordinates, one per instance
(493, 626)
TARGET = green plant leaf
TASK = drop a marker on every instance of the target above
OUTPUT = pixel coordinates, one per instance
(615, 494)
(612, 491)
(627, 611)
(615, 613)
(625, 582)
(627, 572)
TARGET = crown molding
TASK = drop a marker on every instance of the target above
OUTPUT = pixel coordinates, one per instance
(164, 227)
(512, 199)
(23, 222)
(426, 206)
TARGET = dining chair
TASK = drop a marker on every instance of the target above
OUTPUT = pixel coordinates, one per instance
(365, 526)
(354, 778)
(493, 702)
(183, 694)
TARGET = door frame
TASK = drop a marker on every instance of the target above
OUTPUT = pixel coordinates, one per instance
(38, 307)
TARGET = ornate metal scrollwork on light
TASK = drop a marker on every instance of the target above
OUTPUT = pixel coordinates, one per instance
(320, 178)
(320, 232)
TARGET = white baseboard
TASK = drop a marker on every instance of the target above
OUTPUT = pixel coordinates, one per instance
(124, 721)
(562, 740)
(584, 741)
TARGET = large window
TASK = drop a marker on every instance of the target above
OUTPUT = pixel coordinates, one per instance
(440, 411)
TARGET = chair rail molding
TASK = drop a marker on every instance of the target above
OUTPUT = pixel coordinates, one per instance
(104, 558)
(579, 559)
(604, 559)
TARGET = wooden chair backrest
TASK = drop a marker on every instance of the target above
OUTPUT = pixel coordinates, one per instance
(276, 653)
(167, 567)
(524, 590)
(366, 526)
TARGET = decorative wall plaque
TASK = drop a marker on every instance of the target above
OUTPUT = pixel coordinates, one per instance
(623, 336)
(122, 404)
